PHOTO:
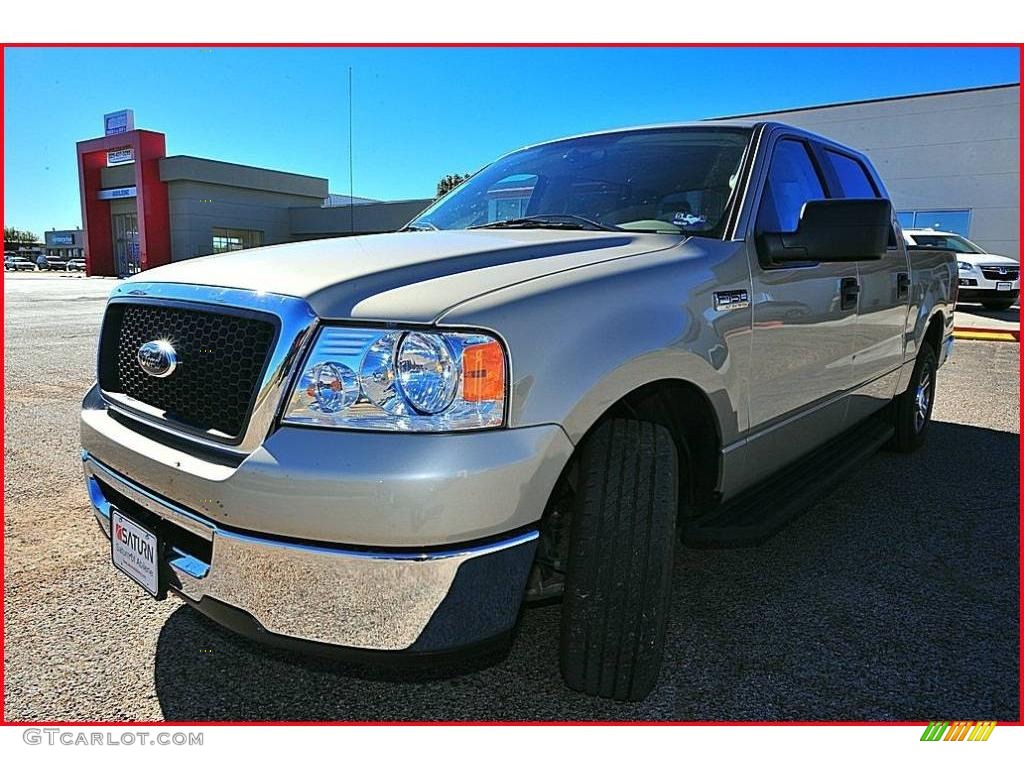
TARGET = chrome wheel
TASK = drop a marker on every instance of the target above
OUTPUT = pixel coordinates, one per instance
(923, 398)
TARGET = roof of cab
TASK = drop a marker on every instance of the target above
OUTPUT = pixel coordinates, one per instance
(718, 123)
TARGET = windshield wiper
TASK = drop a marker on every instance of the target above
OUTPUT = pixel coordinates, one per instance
(423, 226)
(548, 221)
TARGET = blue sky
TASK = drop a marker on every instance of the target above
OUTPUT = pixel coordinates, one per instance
(419, 113)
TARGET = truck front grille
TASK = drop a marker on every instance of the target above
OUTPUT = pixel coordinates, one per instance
(221, 358)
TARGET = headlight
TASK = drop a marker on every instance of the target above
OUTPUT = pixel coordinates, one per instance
(426, 372)
(964, 266)
(408, 381)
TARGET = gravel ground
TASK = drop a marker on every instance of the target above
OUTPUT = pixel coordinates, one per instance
(895, 597)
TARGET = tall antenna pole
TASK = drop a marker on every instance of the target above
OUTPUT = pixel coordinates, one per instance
(351, 181)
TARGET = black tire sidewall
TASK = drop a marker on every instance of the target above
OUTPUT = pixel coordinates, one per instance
(908, 437)
(618, 582)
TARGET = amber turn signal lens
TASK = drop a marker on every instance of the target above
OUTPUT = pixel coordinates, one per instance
(483, 372)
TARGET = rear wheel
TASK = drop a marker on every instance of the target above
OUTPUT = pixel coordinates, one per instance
(914, 406)
(619, 572)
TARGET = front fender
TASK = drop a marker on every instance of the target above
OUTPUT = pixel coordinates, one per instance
(582, 339)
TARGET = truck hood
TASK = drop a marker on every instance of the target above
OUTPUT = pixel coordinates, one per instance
(405, 276)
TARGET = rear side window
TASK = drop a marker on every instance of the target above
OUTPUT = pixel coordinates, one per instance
(792, 181)
(853, 178)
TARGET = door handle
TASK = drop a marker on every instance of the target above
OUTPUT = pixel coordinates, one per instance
(849, 289)
(902, 284)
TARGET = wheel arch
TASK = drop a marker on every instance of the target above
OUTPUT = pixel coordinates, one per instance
(687, 412)
(690, 416)
(933, 331)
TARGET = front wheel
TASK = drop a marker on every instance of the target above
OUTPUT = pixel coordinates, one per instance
(914, 406)
(619, 572)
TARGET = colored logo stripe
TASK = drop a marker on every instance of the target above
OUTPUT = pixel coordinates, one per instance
(958, 730)
(982, 731)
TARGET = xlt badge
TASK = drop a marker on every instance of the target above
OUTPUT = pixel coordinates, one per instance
(725, 300)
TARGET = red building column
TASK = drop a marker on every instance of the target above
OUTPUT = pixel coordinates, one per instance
(150, 200)
(96, 235)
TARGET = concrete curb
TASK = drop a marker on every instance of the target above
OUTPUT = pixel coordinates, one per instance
(987, 334)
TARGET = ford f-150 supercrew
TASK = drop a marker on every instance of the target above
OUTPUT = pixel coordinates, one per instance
(382, 446)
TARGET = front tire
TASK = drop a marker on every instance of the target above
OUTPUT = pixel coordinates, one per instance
(914, 406)
(619, 575)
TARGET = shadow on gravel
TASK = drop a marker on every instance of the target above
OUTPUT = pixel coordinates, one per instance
(893, 598)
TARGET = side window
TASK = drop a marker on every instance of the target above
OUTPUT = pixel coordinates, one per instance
(853, 179)
(792, 181)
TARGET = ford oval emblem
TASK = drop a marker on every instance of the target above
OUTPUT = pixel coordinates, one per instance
(158, 358)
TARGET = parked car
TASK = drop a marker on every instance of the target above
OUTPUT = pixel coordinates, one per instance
(75, 265)
(14, 263)
(985, 277)
(590, 349)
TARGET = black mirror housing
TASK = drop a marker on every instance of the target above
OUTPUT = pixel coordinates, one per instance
(847, 229)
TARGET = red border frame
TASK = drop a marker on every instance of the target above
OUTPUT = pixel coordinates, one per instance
(275, 723)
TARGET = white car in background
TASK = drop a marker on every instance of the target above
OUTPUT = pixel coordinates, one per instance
(992, 280)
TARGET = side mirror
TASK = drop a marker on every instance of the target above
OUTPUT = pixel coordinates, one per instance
(832, 230)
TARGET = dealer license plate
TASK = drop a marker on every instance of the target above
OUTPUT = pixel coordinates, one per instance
(135, 552)
(1004, 286)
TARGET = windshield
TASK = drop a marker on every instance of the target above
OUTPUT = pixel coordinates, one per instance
(671, 180)
(953, 243)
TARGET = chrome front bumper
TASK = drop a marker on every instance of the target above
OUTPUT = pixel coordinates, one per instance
(424, 601)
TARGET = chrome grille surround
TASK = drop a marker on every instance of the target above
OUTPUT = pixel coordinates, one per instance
(297, 324)
(216, 361)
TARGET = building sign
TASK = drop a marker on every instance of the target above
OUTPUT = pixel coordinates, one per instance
(116, 193)
(120, 155)
(118, 122)
(62, 239)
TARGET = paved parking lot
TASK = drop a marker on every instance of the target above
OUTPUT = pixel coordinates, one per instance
(895, 597)
(970, 315)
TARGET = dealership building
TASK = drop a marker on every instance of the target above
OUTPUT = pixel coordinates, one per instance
(950, 160)
(142, 208)
(64, 244)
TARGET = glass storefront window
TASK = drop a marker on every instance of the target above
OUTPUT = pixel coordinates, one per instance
(126, 243)
(957, 221)
(235, 239)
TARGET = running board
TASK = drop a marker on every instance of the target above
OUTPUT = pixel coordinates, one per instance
(762, 511)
